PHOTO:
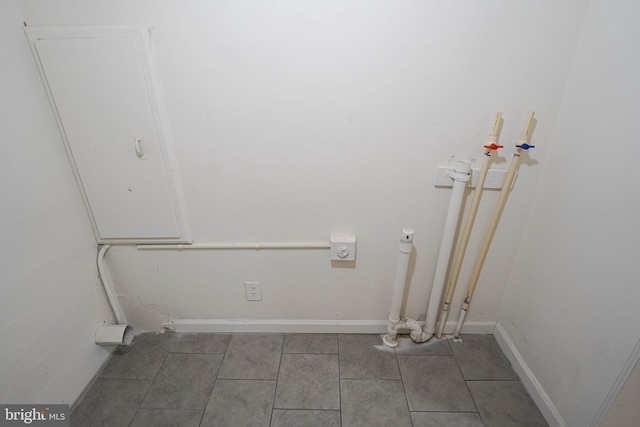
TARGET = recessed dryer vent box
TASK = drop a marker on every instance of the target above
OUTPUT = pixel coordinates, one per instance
(343, 247)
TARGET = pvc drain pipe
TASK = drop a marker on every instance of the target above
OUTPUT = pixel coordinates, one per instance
(492, 144)
(460, 176)
(120, 334)
(395, 321)
(523, 140)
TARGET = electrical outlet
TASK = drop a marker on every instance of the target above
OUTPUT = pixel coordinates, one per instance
(252, 291)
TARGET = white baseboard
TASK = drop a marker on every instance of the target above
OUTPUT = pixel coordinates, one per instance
(309, 326)
(530, 382)
(474, 327)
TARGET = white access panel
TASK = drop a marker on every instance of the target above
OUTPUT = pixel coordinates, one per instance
(100, 83)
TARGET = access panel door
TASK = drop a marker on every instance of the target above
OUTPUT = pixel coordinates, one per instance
(102, 92)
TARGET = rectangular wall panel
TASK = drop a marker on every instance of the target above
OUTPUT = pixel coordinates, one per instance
(104, 101)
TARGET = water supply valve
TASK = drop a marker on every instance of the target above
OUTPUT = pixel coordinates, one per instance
(494, 146)
(525, 146)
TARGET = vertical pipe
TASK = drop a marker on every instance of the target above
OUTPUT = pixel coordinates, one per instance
(107, 283)
(406, 245)
(460, 178)
(121, 333)
(493, 222)
(464, 240)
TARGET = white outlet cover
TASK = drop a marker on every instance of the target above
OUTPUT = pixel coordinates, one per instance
(252, 291)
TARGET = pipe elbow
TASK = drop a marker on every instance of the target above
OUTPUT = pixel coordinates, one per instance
(420, 337)
(429, 331)
(416, 333)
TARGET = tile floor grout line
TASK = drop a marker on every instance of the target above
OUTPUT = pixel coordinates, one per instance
(215, 380)
(205, 409)
(339, 377)
(450, 348)
(371, 379)
(404, 390)
(466, 385)
(453, 411)
(196, 352)
(275, 392)
(152, 381)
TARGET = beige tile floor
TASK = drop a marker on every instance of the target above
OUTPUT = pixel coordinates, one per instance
(298, 380)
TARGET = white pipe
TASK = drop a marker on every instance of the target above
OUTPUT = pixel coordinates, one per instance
(402, 266)
(120, 334)
(114, 335)
(460, 177)
(492, 144)
(493, 222)
(231, 245)
(395, 321)
(105, 278)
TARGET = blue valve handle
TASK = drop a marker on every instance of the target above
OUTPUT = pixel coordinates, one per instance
(525, 146)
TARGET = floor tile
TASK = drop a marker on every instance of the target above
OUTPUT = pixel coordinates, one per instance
(201, 343)
(142, 359)
(311, 343)
(480, 358)
(308, 381)
(240, 403)
(505, 404)
(110, 402)
(433, 347)
(434, 383)
(252, 356)
(373, 403)
(297, 418)
(184, 381)
(148, 417)
(366, 357)
(446, 419)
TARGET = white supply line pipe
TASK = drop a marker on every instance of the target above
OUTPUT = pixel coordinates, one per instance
(460, 176)
(523, 140)
(240, 246)
(120, 334)
(492, 144)
(395, 321)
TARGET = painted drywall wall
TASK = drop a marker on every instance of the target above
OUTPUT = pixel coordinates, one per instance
(570, 308)
(51, 302)
(293, 120)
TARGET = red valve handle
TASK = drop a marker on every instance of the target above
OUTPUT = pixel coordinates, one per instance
(494, 146)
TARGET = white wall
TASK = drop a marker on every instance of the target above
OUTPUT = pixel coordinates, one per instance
(50, 304)
(293, 120)
(571, 305)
